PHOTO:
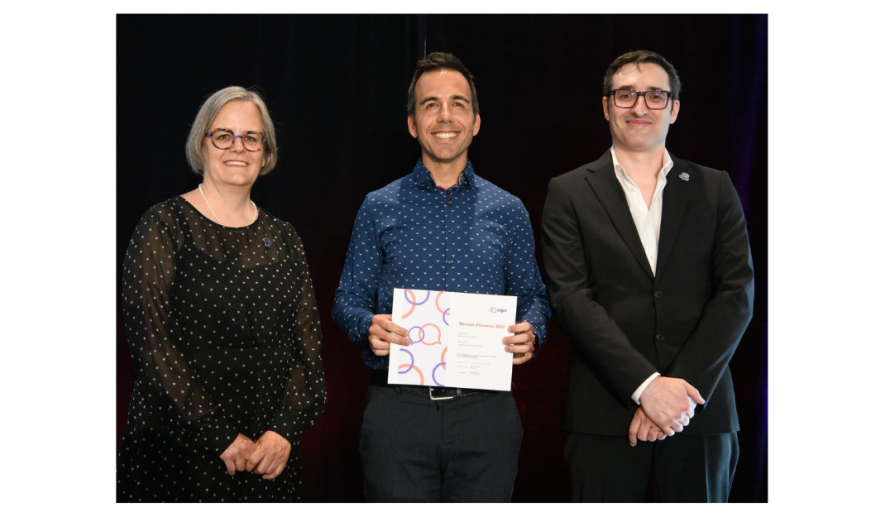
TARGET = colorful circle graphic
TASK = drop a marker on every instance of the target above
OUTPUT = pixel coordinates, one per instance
(414, 304)
(434, 373)
(412, 296)
(416, 369)
(408, 365)
(438, 340)
(420, 338)
(437, 301)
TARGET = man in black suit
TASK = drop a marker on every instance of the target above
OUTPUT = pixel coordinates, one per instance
(648, 266)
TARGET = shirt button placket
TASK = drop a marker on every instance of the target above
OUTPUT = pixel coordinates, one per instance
(449, 238)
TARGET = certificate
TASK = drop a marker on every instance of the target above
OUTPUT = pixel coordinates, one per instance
(455, 339)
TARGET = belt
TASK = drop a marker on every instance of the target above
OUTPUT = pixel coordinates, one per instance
(379, 378)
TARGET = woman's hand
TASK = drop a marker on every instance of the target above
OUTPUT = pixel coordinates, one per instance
(270, 455)
(236, 455)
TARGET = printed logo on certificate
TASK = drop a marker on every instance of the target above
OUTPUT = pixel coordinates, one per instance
(455, 339)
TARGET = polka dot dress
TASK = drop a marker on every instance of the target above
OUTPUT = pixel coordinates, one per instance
(224, 335)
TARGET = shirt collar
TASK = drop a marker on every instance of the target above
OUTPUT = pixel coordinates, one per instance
(422, 175)
(666, 163)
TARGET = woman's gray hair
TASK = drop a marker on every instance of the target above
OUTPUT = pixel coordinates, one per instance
(208, 112)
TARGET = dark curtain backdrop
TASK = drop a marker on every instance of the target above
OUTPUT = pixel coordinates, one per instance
(335, 85)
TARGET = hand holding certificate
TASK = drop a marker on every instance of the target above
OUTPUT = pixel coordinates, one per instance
(455, 339)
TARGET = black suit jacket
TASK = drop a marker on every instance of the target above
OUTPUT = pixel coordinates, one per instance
(623, 322)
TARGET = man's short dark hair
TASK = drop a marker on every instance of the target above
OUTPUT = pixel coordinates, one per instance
(441, 61)
(638, 57)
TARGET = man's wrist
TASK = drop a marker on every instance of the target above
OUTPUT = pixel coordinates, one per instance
(639, 391)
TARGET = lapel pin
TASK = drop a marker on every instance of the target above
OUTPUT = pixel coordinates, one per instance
(268, 242)
(684, 176)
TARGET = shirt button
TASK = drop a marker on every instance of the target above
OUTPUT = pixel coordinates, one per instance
(449, 204)
(451, 262)
(648, 221)
(633, 190)
(448, 198)
(450, 230)
(659, 337)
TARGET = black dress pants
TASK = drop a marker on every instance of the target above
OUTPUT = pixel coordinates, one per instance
(686, 468)
(414, 449)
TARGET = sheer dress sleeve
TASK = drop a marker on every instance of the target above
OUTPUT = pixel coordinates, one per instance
(305, 396)
(154, 337)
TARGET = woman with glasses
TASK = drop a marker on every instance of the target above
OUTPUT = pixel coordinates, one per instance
(222, 327)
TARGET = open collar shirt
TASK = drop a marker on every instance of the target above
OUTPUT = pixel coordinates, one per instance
(647, 219)
(472, 237)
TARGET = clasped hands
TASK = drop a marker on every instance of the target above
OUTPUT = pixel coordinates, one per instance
(383, 331)
(268, 456)
(666, 407)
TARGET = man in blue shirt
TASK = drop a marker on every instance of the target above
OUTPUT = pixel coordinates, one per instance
(444, 228)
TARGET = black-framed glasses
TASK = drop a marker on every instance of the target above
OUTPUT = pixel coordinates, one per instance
(223, 138)
(654, 99)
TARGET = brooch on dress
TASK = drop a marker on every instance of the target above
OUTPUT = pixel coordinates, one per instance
(268, 242)
(684, 177)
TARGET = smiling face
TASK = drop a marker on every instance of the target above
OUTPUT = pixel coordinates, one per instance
(443, 120)
(639, 129)
(235, 165)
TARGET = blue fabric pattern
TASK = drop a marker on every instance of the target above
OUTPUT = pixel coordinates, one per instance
(472, 238)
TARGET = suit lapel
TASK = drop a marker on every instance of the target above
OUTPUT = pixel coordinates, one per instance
(608, 191)
(676, 194)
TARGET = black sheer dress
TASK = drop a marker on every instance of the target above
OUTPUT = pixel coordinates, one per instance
(225, 338)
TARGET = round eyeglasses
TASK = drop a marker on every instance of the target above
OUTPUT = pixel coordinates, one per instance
(654, 99)
(225, 138)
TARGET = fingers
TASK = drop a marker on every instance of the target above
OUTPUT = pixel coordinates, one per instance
(271, 466)
(384, 331)
(666, 429)
(693, 394)
(519, 339)
(521, 358)
(378, 346)
(255, 458)
(635, 425)
(264, 466)
(277, 472)
(230, 466)
(385, 336)
(520, 327)
(519, 349)
(652, 433)
(648, 432)
(235, 454)
(521, 354)
(378, 319)
(691, 412)
(384, 321)
(521, 345)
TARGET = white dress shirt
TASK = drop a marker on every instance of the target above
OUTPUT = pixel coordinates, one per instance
(647, 219)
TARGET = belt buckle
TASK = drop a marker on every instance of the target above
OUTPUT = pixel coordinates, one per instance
(441, 398)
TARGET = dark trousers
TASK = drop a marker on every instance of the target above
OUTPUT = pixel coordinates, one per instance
(415, 449)
(685, 468)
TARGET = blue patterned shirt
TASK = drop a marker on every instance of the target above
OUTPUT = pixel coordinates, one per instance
(471, 238)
